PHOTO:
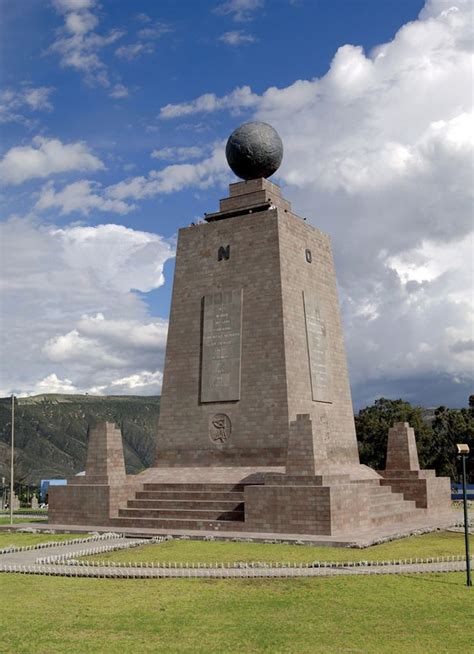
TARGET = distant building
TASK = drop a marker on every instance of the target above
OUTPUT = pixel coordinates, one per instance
(456, 491)
(46, 483)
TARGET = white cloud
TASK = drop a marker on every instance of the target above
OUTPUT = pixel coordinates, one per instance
(143, 18)
(73, 5)
(72, 347)
(144, 45)
(378, 152)
(79, 197)
(381, 148)
(70, 308)
(178, 153)
(46, 157)
(240, 98)
(125, 333)
(154, 31)
(240, 10)
(174, 178)
(133, 50)
(52, 384)
(119, 91)
(140, 383)
(13, 104)
(237, 37)
(78, 45)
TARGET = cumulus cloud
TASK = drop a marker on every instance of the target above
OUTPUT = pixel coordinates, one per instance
(173, 178)
(46, 157)
(378, 152)
(78, 45)
(240, 98)
(382, 152)
(14, 103)
(154, 31)
(119, 91)
(240, 10)
(50, 384)
(82, 197)
(177, 153)
(133, 50)
(237, 37)
(72, 320)
(146, 37)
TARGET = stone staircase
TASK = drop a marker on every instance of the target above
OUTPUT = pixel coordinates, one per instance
(388, 507)
(196, 506)
(220, 507)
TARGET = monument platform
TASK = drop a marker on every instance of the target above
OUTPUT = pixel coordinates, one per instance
(360, 538)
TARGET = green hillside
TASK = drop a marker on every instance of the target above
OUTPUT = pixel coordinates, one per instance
(51, 432)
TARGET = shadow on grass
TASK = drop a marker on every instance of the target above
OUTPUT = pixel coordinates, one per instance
(441, 578)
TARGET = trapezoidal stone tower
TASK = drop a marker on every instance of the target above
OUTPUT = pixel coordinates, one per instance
(255, 389)
(254, 339)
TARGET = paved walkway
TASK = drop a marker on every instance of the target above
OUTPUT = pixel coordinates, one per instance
(40, 561)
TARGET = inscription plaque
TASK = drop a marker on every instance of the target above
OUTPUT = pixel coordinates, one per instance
(317, 340)
(221, 347)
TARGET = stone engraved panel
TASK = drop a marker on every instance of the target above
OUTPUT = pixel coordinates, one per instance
(221, 347)
(318, 351)
(220, 428)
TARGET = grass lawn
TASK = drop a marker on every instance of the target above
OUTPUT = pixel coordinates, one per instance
(427, 545)
(412, 614)
(6, 520)
(14, 538)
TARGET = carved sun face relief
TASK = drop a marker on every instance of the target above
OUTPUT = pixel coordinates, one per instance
(220, 428)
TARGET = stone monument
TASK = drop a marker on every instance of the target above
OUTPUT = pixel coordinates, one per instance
(15, 502)
(256, 429)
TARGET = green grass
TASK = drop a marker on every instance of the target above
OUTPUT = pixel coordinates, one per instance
(383, 614)
(427, 545)
(16, 521)
(15, 538)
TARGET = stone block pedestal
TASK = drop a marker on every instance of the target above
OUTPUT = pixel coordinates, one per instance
(94, 498)
(402, 472)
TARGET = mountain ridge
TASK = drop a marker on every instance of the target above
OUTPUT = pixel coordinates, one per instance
(51, 432)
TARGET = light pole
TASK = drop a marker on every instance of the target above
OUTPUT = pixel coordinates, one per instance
(12, 460)
(463, 453)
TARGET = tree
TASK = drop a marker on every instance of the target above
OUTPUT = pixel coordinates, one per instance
(451, 426)
(373, 423)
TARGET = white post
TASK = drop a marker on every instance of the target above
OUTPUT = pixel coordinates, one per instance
(12, 460)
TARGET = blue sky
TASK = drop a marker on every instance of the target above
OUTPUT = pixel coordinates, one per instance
(113, 119)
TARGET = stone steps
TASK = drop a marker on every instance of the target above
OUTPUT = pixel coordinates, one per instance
(184, 487)
(391, 518)
(388, 507)
(171, 524)
(393, 507)
(384, 498)
(182, 514)
(210, 506)
(217, 505)
(190, 496)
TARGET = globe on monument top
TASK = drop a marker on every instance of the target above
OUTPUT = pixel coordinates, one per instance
(254, 150)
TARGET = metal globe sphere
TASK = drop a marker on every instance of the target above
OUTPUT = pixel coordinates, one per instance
(254, 150)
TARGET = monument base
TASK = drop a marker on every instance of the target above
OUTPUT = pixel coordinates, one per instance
(305, 497)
